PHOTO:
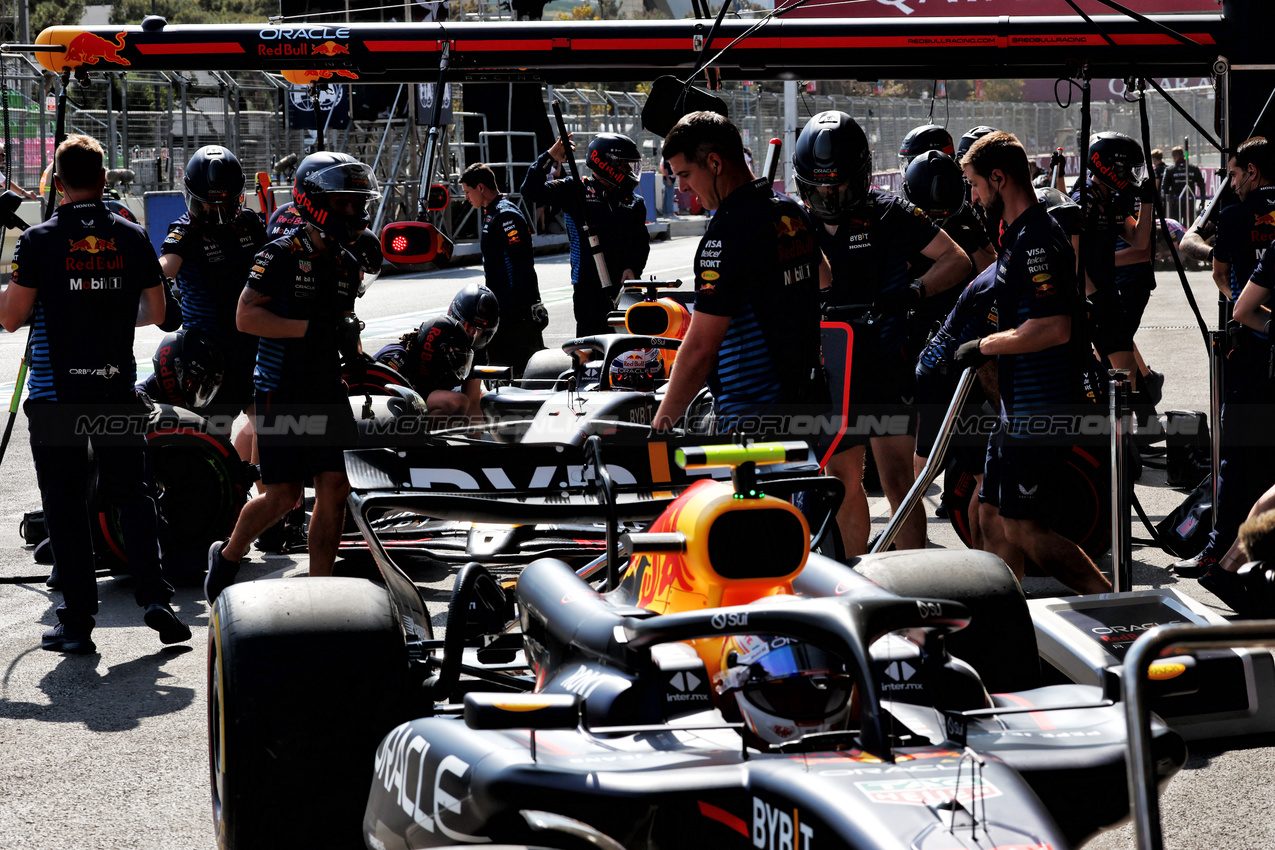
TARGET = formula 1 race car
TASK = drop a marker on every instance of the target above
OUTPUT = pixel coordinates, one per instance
(730, 688)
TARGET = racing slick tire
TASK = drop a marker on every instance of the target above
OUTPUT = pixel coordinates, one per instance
(1000, 641)
(305, 677)
(546, 365)
(200, 485)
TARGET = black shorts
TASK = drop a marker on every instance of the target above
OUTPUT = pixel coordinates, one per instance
(300, 434)
(882, 402)
(973, 424)
(1116, 313)
(1021, 477)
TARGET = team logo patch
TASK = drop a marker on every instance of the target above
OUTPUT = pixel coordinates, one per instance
(1042, 277)
(789, 226)
(304, 265)
(1267, 218)
(92, 244)
(709, 275)
(258, 269)
(175, 236)
(1044, 290)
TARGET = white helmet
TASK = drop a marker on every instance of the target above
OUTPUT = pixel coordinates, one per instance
(783, 688)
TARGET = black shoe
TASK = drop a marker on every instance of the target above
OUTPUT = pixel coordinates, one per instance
(1195, 567)
(221, 572)
(1229, 588)
(161, 617)
(1153, 382)
(61, 639)
(53, 582)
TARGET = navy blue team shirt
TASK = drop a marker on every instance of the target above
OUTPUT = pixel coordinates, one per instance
(758, 265)
(508, 263)
(89, 267)
(1036, 279)
(1244, 230)
(302, 283)
(973, 316)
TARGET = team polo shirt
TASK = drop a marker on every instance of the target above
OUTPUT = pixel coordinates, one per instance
(89, 267)
(508, 265)
(758, 264)
(1036, 279)
(302, 283)
(215, 264)
(869, 255)
(973, 316)
(1244, 230)
(1104, 222)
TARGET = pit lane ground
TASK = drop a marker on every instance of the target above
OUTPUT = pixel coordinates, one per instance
(109, 751)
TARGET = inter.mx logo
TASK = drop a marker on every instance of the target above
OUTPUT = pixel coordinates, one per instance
(928, 792)
(899, 674)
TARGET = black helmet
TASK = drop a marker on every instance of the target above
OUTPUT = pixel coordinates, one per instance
(615, 161)
(967, 141)
(477, 311)
(1064, 210)
(190, 364)
(927, 137)
(213, 185)
(322, 175)
(934, 183)
(833, 165)
(442, 349)
(1116, 161)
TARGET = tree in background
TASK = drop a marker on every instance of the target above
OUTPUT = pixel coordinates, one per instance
(194, 11)
(55, 13)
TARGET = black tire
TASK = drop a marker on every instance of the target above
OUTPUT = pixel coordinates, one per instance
(1000, 641)
(545, 365)
(200, 487)
(305, 677)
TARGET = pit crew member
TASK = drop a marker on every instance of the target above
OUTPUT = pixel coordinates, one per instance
(616, 212)
(754, 335)
(1039, 350)
(509, 269)
(299, 300)
(88, 278)
(868, 236)
(209, 251)
(927, 137)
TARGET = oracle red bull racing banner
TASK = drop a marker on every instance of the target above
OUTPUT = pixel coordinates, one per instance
(555, 51)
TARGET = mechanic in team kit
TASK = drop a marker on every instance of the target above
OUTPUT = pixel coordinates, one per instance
(1117, 182)
(209, 251)
(923, 139)
(299, 300)
(89, 278)
(869, 236)
(509, 269)
(1244, 231)
(436, 357)
(962, 147)
(616, 213)
(1039, 349)
(754, 335)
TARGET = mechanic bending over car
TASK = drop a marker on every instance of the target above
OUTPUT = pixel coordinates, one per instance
(82, 369)
(1040, 356)
(299, 301)
(208, 251)
(436, 357)
(869, 236)
(754, 335)
(1244, 231)
(509, 269)
(617, 216)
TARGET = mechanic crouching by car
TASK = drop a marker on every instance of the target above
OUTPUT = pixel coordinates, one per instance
(299, 301)
(1040, 349)
(754, 335)
(509, 269)
(616, 214)
(88, 278)
(869, 237)
(436, 357)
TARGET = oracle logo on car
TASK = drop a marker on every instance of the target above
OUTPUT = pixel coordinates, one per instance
(317, 33)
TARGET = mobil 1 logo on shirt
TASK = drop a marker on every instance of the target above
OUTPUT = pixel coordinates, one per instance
(80, 284)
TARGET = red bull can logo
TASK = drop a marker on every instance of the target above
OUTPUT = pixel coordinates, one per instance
(87, 48)
(92, 244)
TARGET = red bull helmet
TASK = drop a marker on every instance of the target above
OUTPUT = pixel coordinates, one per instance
(1116, 161)
(615, 161)
(782, 688)
(213, 186)
(638, 370)
(332, 191)
(193, 364)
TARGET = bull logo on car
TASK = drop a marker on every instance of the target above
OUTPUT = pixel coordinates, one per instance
(87, 48)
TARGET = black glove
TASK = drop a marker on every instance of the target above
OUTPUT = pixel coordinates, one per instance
(172, 306)
(348, 337)
(1147, 192)
(1057, 158)
(969, 356)
(540, 315)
